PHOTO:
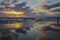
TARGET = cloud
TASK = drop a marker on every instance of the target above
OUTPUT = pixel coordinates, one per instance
(42, 1)
(51, 9)
(51, 6)
(20, 5)
(14, 1)
(56, 10)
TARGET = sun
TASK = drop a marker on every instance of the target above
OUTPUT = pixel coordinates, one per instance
(13, 12)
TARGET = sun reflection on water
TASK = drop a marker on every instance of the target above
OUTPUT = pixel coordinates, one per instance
(12, 25)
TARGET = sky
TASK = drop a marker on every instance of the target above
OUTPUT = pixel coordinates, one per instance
(52, 8)
(34, 3)
(31, 3)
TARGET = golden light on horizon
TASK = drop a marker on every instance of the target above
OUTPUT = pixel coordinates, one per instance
(13, 12)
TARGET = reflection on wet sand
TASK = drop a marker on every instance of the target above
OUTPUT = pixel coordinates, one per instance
(41, 28)
(11, 25)
(36, 33)
(42, 36)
